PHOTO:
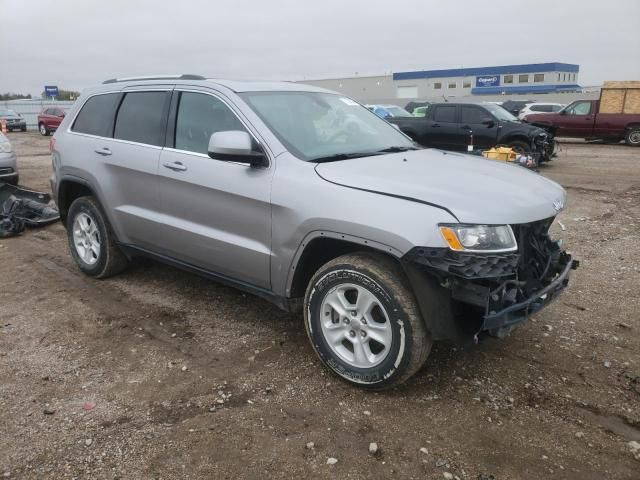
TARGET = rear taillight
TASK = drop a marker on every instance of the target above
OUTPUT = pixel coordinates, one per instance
(52, 144)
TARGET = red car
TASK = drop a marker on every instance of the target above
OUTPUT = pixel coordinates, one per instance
(49, 119)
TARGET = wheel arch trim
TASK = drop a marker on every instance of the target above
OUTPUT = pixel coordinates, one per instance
(365, 243)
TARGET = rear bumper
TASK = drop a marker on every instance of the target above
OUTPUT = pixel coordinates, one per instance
(16, 125)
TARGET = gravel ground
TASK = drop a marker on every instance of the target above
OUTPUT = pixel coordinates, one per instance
(157, 373)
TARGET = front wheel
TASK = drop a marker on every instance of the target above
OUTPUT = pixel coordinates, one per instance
(363, 321)
(520, 147)
(43, 130)
(633, 137)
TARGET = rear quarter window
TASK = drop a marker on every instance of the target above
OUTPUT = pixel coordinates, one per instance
(96, 116)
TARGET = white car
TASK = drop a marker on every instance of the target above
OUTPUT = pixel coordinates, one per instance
(539, 108)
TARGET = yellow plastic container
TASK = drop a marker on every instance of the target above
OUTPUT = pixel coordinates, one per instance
(503, 154)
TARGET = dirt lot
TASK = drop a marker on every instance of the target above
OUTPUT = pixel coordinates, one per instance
(191, 379)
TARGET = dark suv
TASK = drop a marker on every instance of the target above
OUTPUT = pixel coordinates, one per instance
(454, 126)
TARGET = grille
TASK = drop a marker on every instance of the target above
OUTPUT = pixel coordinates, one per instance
(6, 170)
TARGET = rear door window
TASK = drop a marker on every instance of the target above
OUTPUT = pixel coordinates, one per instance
(472, 115)
(445, 113)
(96, 116)
(140, 118)
(199, 116)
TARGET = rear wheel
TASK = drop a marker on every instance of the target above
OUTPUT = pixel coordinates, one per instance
(364, 323)
(91, 240)
(633, 137)
(43, 130)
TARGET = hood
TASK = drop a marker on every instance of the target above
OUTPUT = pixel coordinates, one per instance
(472, 188)
(11, 117)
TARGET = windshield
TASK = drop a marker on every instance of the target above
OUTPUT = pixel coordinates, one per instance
(315, 125)
(397, 112)
(500, 113)
(6, 113)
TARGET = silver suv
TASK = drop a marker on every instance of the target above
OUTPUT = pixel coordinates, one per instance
(307, 199)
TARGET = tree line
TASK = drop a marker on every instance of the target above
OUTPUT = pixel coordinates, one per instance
(62, 95)
(14, 96)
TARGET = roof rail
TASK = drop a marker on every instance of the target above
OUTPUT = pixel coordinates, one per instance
(184, 76)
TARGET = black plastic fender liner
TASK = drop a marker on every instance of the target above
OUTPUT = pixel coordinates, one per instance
(20, 207)
(436, 305)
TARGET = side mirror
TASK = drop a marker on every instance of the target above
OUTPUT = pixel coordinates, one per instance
(562, 112)
(235, 146)
(488, 121)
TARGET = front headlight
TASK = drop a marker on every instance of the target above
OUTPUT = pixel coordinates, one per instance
(479, 238)
(5, 147)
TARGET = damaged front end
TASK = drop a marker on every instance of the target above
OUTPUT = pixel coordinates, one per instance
(489, 292)
(544, 145)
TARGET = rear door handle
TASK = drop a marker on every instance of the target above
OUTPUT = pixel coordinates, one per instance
(103, 151)
(436, 125)
(175, 166)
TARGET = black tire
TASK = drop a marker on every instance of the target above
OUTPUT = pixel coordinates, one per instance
(632, 138)
(44, 131)
(110, 259)
(13, 180)
(410, 341)
(520, 147)
(23, 129)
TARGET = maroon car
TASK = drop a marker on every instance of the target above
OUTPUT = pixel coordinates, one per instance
(49, 119)
(582, 119)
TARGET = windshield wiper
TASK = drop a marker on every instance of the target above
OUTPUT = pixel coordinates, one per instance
(396, 149)
(344, 156)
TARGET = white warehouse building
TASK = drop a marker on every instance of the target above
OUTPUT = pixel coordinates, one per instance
(481, 82)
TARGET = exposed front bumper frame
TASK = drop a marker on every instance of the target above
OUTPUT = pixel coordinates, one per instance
(520, 311)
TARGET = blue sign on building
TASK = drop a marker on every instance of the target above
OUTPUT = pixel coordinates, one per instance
(488, 81)
(51, 91)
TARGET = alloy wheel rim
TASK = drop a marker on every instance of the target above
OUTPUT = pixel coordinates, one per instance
(634, 137)
(43, 129)
(86, 238)
(356, 325)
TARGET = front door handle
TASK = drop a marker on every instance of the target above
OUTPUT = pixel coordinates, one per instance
(175, 166)
(436, 125)
(103, 151)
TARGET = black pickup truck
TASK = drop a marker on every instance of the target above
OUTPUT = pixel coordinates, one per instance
(449, 126)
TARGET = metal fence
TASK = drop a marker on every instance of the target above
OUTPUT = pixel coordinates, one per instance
(30, 109)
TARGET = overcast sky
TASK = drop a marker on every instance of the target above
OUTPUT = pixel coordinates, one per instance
(77, 43)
